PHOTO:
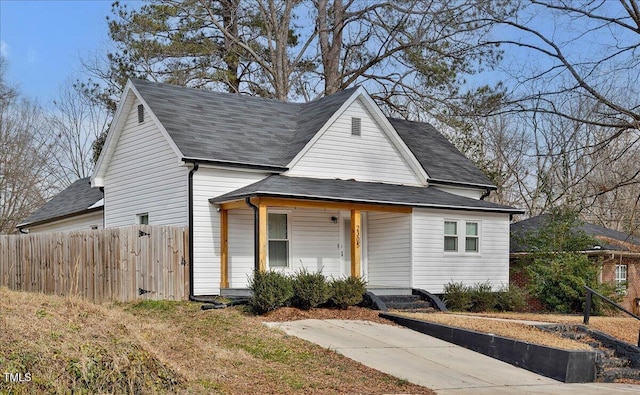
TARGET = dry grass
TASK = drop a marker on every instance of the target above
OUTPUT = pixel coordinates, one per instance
(623, 328)
(166, 347)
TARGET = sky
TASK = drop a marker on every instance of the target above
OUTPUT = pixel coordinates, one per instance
(43, 41)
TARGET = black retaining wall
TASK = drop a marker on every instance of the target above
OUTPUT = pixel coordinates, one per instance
(570, 366)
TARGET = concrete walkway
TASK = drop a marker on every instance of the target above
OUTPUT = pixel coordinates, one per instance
(433, 363)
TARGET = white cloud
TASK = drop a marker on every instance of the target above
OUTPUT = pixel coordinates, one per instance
(32, 55)
(4, 49)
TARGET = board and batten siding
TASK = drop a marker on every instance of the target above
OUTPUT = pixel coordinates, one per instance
(145, 176)
(433, 268)
(314, 243)
(209, 183)
(369, 157)
(389, 249)
(79, 222)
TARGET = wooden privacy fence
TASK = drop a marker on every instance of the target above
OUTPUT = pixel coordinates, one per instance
(117, 264)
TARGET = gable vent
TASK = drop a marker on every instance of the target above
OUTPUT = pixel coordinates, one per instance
(140, 113)
(356, 126)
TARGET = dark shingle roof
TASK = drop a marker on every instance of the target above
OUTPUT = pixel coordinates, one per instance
(441, 160)
(237, 128)
(359, 192)
(243, 129)
(76, 199)
(522, 228)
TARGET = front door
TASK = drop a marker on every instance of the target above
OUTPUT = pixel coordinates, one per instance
(345, 250)
(346, 246)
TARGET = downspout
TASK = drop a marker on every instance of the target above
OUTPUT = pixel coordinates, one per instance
(485, 194)
(256, 234)
(191, 172)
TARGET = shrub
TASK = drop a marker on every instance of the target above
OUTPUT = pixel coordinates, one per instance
(558, 280)
(511, 298)
(271, 290)
(347, 291)
(457, 296)
(482, 297)
(309, 289)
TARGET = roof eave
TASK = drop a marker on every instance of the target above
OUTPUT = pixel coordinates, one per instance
(462, 184)
(362, 201)
(58, 218)
(233, 164)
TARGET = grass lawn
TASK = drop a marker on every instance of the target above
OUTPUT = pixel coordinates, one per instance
(166, 347)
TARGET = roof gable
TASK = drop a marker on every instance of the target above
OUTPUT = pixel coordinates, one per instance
(77, 198)
(130, 96)
(241, 130)
(375, 154)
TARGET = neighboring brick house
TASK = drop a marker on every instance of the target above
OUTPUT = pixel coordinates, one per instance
(618, 255)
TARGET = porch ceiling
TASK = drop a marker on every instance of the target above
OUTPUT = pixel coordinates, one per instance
(349, 192)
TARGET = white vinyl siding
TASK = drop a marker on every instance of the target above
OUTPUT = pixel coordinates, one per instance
(209, 183)
(433, 267)
(389, 249)
(144, 176)
(472, 193)
(370, 156)
(314, 244)
(75, 223)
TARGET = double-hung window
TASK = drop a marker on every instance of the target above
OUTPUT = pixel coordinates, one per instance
(471, 243)
(278, 236)
(450, 236)
(621, 274)
(456, 232)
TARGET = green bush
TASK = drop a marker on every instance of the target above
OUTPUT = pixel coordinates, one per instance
(347, 291)
(511, 298)
(558, 280)
(271, 290)
(482, 297)
(309, 289)
(457, 296)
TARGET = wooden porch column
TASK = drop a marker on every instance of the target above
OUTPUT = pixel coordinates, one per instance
(356, 244)
(224, 249)
(262, 238)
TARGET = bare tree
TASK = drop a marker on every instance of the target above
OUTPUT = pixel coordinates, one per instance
(25, 150)
(75, 122)
(588, 49)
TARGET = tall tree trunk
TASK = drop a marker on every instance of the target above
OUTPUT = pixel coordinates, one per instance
(330, 38)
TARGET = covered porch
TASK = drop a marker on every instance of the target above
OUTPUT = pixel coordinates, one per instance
(288, 234)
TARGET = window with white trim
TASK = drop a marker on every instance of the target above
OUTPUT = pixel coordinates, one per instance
(278, 239)
(450, 236)
(472, 240)
(456, 231)
(621, 274)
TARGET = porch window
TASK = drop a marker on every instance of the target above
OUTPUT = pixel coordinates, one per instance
(621, 274)
(278, 236)
(471, 240)
(450, 236)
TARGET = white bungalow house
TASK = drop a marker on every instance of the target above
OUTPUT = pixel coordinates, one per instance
(330, 185)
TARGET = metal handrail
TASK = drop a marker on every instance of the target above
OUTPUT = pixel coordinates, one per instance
(587, 307)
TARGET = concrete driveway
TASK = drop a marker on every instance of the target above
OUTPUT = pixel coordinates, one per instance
(433, 363)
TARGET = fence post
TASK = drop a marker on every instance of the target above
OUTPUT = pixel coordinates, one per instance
(587, 307)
